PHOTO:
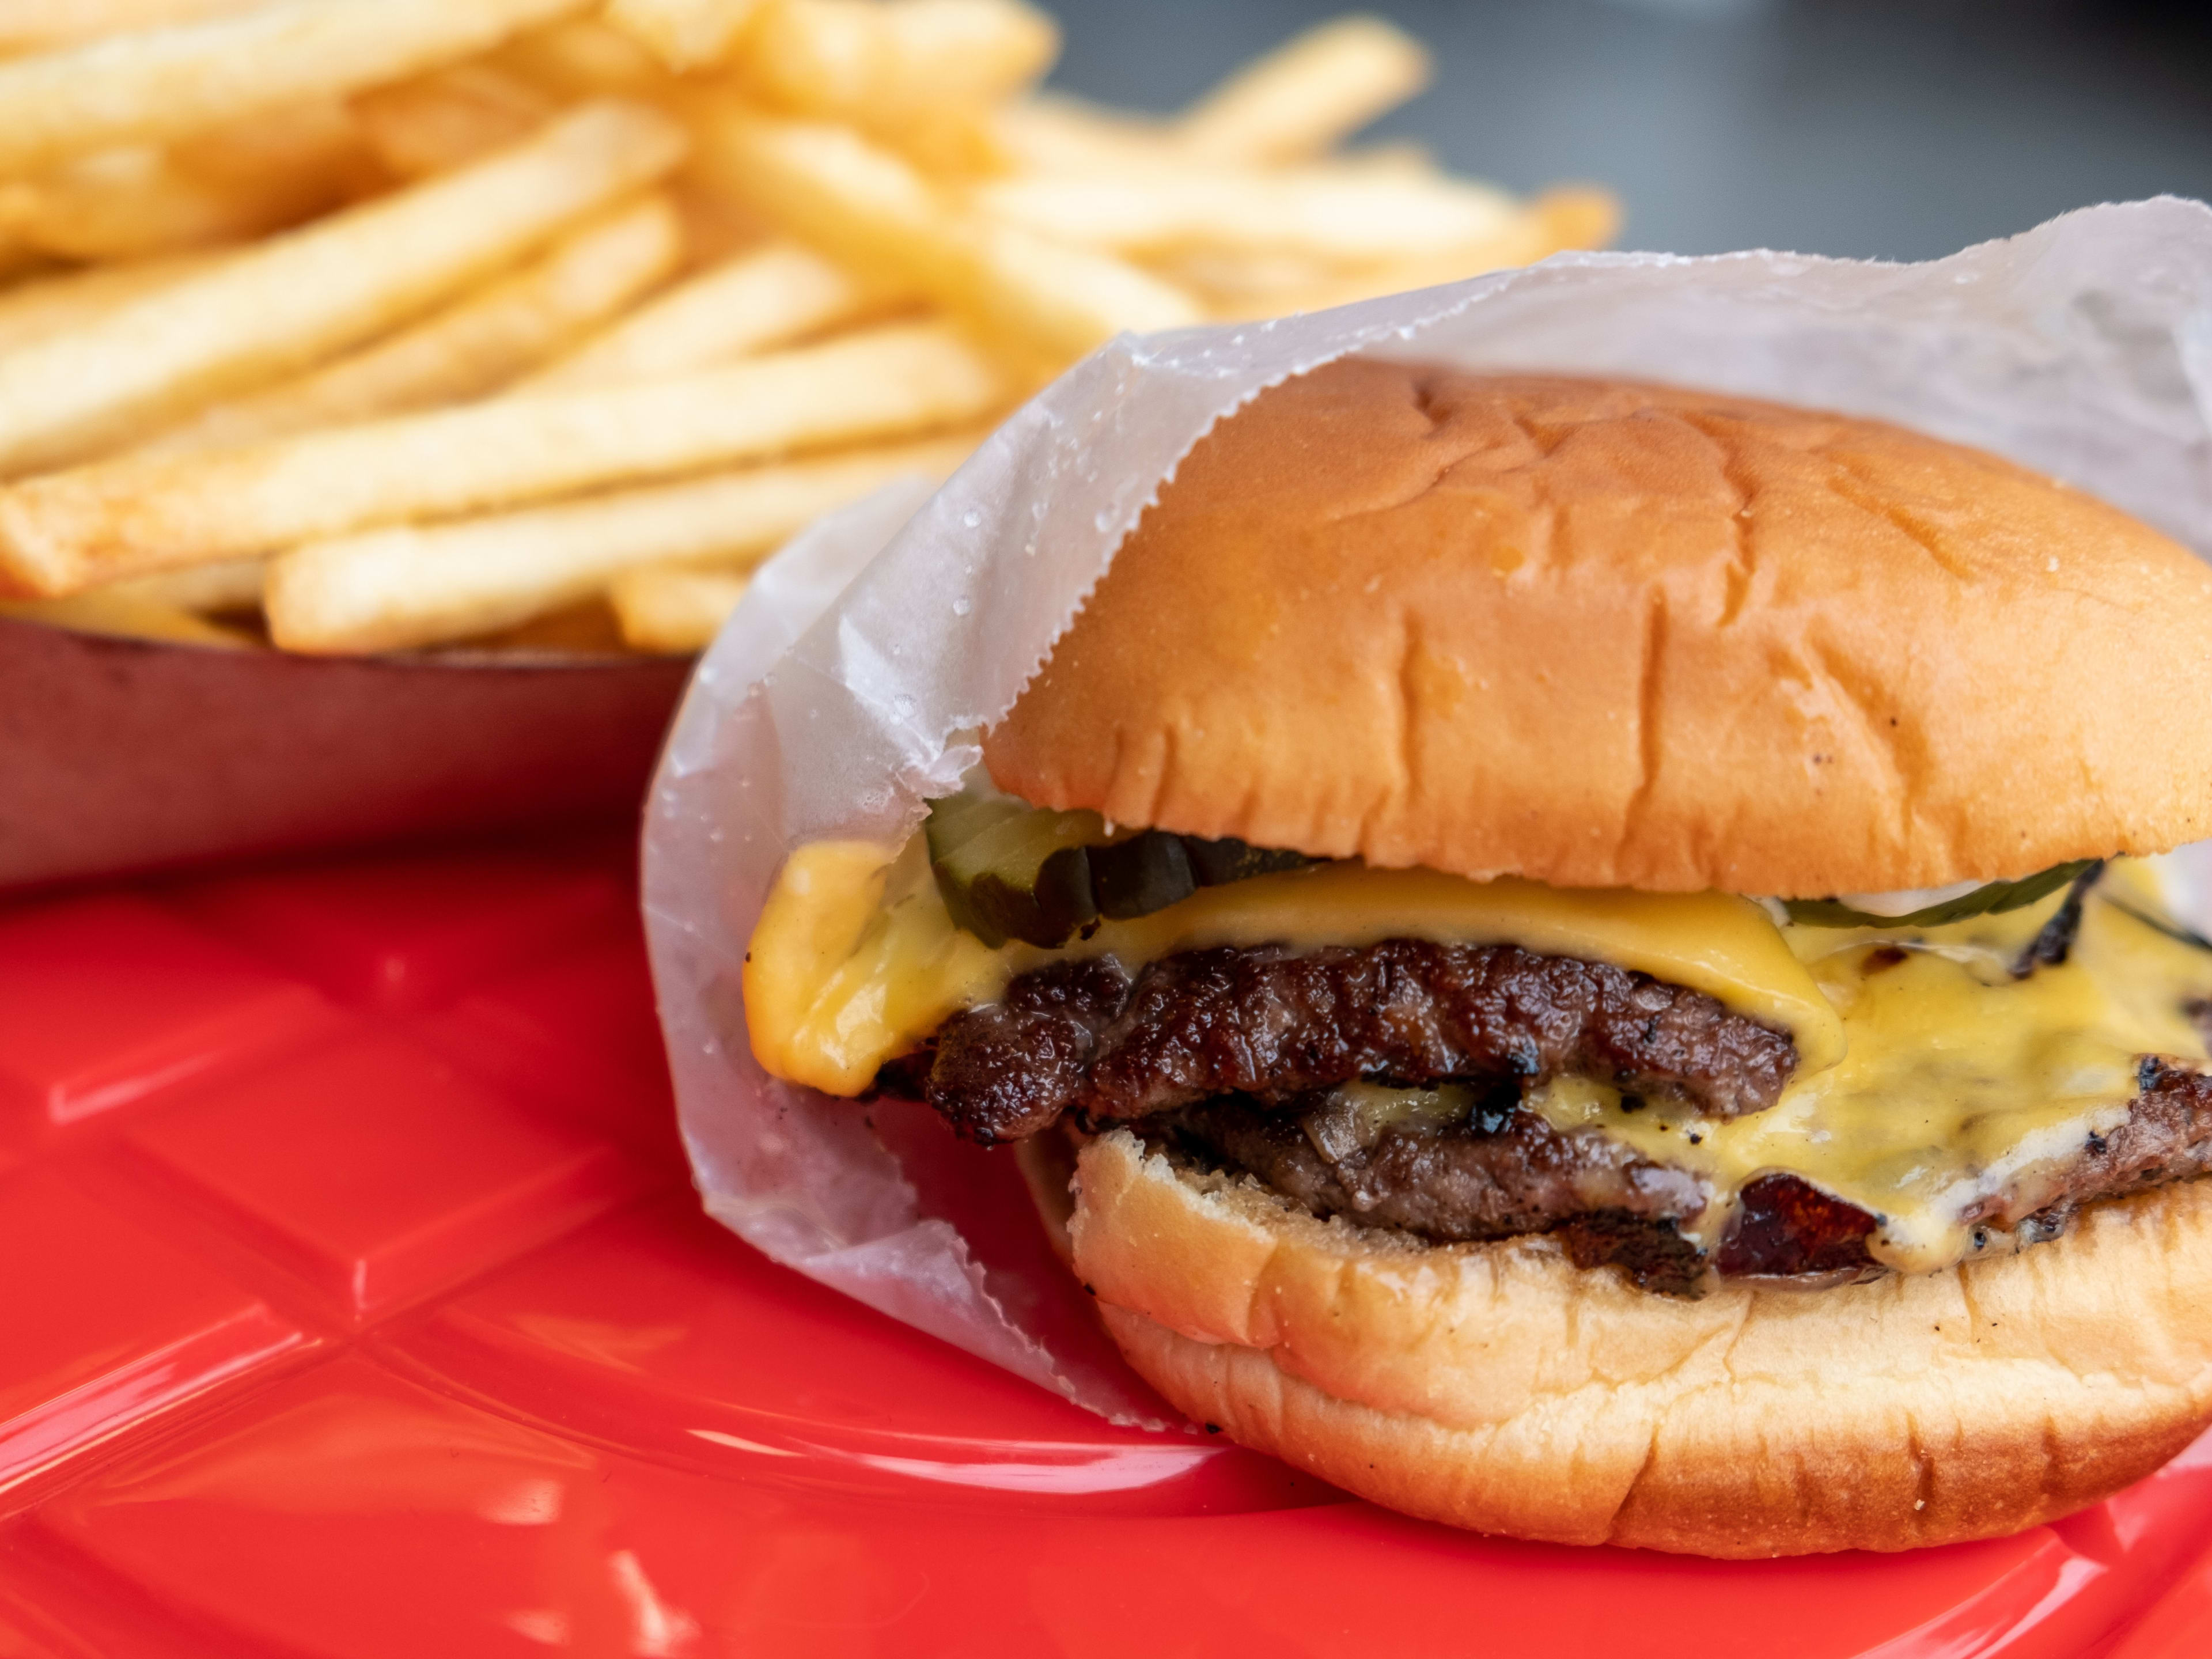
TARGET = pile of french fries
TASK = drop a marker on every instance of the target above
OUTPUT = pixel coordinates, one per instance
(365, 325)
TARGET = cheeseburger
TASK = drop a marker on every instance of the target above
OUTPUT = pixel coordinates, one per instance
(1575, 958)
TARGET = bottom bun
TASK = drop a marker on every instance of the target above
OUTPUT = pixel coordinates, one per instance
(1499, 1387)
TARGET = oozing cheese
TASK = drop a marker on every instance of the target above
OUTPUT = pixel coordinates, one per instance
(1928, 1076)
(854, 959)
(1959, 1082)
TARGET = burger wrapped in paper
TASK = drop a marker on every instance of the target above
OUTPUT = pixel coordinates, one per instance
(1581, 956)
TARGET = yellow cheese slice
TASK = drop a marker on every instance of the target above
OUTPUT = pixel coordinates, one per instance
(1961, 1082)
(854, 959)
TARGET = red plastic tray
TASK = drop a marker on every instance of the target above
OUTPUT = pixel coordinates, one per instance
(357, 1305)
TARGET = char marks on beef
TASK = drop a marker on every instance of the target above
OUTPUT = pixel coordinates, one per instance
(1274, 1024)
(2165, 1137)
(1459, 1185)
(1228, 1056)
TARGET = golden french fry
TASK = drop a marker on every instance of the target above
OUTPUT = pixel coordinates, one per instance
(387, 590)
(19, 261)
(1248, 283)
(586, 630)
(686, 34)
(127, 616)
(1523, 240)
(879, 63)
(472, 347)
(227, 585)
(44, 306)
(586, 58)
(167, 83)
(1578, 216)
(231, 183)
(1301, 98)
(768, 297)
(66, 531)
(1052, 132)
(716, 226)
(43, 25)
(138, 204)
(319, 133)
(1361, 217)
(450, 116)
(1242, 286)
(872, 210)
(300, 297)
(672, 611)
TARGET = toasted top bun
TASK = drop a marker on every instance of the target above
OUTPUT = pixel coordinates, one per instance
(1606, 635)
(1501, 1388)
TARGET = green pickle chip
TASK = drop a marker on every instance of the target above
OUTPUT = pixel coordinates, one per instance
(1986, 900)
(1008, 870)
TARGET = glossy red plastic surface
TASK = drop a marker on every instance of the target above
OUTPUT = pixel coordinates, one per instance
(359, 1306)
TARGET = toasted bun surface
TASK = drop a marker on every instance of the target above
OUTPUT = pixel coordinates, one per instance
(1604, 635)
(1499, 1387)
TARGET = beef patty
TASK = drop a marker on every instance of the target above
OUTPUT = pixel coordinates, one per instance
(1506, 1172)
(1274, 1024)
(1230, 1056)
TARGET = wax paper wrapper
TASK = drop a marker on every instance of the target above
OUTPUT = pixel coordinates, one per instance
(848, 686)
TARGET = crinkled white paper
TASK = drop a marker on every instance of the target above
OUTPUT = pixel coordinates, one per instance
(830, 705)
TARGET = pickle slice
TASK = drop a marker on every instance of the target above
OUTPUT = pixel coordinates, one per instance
(1986, 900)
(1218, 863)
(1009, 870)
(1145, 873)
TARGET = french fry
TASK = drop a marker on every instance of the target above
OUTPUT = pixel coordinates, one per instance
(232, 183)
(43, 25)
(138, 204)
(686, 34)
(869, 209)
(672, 611)
(168, 84)
(768, 297)
(586, 58)
(227, 585)
(880, 63)
(1052, 132)
(65, 532)
(1307, 94)
(586, 630)
(32, 310)
(716, 226)
(126, 616)
(320, 134)
(388, 590)
(1358, 216)
(450, 116)
(472, 347)
(1578, 216)
(1276, 291)
(457, 409)
(21, 262)
(300, 297)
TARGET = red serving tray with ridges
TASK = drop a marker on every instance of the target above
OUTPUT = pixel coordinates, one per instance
(358, 1305)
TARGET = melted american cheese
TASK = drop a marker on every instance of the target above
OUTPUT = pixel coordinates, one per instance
(856, 960)
(1923, 1083)
(1959, 1082)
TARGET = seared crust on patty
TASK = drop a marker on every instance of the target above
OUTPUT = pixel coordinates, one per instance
(1506, 1172)
(1274, 1024)
(1517, 1174)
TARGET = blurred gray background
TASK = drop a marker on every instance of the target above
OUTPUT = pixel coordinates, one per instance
(1896, 129)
